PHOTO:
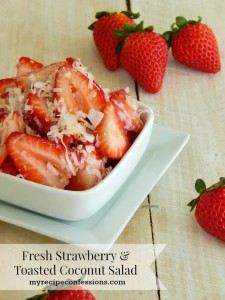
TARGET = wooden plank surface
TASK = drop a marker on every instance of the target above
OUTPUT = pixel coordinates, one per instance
(193, 264)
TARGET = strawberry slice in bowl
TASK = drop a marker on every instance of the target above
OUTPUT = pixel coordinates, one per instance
(39, 115)
(26, 65)
(77, 89)
(113, 140)
(67, 145)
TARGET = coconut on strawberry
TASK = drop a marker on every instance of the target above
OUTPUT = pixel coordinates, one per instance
(59, 128)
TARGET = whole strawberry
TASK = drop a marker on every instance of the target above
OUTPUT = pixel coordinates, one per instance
(69, 293)
(105, 41)
(144, 55)
(194, 44)
(210, 207)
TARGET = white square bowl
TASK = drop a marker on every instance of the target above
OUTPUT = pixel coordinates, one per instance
(77, 205)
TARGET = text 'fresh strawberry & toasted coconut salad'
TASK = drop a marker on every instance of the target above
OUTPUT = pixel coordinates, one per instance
(59, 128)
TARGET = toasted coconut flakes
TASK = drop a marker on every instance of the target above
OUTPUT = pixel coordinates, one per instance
(106, 94)
(93, 94)
(40, 85)
(32, 78)
(90, 148)
(36, 120)
(28, 107)
(127, 90)
(95, 117)
(131, 102)
(74, 158)
(57, 90)
(52, 169)
(94, 171)
(90, 80)
(67, 75)
(97, 140)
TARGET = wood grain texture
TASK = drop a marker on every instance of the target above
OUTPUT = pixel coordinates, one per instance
(192, 266)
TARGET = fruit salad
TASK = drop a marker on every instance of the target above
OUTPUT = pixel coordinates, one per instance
(59, 128)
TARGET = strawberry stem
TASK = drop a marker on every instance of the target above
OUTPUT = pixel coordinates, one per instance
(101, 14)
(200, 187)
(129, 29)
(37, 297)
(131, 14)
(179, 23)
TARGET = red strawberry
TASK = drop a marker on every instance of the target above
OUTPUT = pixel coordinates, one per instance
(38, 114)
(8, 167)
(112, 138)
(126, 110)
(210, 207)
(9, 123)
(25, 65)
(91, 172)
(105, 41)
(194, 44)
(144, 56)
(68, 293)
(76, 89)
(6, 83)
(24, 81)
(40, 160)
(3, 154)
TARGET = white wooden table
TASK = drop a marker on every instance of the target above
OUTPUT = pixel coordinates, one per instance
(192, 266)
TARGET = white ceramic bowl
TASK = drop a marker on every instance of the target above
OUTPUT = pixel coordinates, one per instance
(77, 205)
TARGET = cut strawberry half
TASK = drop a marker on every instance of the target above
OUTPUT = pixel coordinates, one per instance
(38, 114)
(9, 123)
(112, 138)
(8, 167)
(91, 172)
(3, 154)
(76, 90)
(6, 83)
(24, 81)
(25, 65)
(126, 110)
(41, 160)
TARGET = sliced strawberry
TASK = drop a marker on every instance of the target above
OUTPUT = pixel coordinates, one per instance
(91, 172)
(2, 112)
(41, 160)
(126, 110)
(3, 154)
(38, 114)
(77, 89)
(8, 167)
(24, 81)
(9, 123)
(25, 65)
(41, 148)
(6, 83)
(112, 138)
